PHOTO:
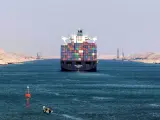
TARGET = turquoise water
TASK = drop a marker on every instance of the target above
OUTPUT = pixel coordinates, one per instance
(118, 91)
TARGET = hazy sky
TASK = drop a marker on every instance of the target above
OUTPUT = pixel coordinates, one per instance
(30, 26)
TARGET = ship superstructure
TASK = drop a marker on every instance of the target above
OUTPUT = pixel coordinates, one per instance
(79, 53)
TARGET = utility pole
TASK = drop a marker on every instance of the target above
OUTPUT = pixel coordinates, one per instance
(117, 53)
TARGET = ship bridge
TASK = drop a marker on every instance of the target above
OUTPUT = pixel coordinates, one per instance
(79, 37)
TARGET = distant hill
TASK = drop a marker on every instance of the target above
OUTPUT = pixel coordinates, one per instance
(12, 58)
(51, 57)
(150, 55)
(107, 57)
(99, 57)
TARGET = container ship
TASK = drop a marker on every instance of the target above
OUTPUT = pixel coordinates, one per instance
(79, 53)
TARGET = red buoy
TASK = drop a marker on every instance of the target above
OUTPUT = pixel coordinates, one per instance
(28, 95)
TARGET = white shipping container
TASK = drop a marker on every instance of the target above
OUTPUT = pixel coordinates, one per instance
(93, 54)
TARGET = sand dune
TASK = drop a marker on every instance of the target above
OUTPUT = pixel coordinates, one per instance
(13, 58)
(149, 57)
(99, 57)
(107, 57)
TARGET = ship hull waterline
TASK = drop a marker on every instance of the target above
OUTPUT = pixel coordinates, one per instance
(88, 66)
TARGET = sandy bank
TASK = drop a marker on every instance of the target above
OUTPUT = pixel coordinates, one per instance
(147, 61)
(14, 58)
(148, 57)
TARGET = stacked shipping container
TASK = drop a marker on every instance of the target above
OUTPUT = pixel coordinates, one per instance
(79, 51)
